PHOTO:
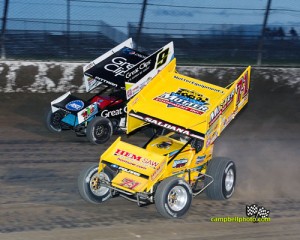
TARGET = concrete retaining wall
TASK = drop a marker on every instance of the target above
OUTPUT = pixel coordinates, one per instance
(42, 77)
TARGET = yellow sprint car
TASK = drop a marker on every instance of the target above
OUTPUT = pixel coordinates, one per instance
(175, 164)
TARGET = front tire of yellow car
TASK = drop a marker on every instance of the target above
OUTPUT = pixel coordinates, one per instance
(90, 187)
(173, 197)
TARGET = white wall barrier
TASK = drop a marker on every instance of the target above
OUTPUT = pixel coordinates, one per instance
(43, 77)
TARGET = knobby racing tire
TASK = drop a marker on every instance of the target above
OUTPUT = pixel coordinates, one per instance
(89, 185)
(99, 130)
(223, 171)
(53, 121)
(173, 197)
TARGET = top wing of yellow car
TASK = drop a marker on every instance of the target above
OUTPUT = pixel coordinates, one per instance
(186, 105)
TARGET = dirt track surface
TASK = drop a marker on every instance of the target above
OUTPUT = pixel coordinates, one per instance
(38, 173)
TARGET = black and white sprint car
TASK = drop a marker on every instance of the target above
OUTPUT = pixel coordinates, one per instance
(119, 74)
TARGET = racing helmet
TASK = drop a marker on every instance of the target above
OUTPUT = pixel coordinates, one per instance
(184, 138)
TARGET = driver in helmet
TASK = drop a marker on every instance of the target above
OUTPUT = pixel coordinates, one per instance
(184, 138)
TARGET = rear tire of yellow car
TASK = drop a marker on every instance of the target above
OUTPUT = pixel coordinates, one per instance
(223, 171)
(89, 187)
(173, 197)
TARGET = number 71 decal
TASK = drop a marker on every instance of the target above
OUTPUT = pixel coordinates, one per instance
(129, 183)
(242, 88)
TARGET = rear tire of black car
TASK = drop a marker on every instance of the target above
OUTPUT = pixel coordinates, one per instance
(53, 121)
(99, 130)
(90, 188)
(173, 197)
(223, 171)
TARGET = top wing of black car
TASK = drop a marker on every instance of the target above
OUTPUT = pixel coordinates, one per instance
(126, 68)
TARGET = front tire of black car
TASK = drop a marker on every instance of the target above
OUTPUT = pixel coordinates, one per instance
(89, 185)
(99, 130)
(223, 171)
(173, 197)
(53, 121)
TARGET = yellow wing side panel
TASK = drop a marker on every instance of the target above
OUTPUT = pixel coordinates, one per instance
(234, 100)
(242, 87)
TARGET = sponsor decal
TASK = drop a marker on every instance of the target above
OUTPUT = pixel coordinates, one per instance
(117, 167)
(131, 163)
(198, 84)
(167, 125)
(193, 95)
(106, 82)
(157, 172)
(147, 65)
(90, 82)
(118, 66)
(221, 108)
(129, 93)
(129, 183)
(129, 171)
(212, 138)
(134, 158)
(134, 90)
(226, 121)
(88, 112)
(185, 99)
(141, 68)
(180, 163)
(75, 105)
(212, 129)
(130, 51)
(200, 159)
(112, 113)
